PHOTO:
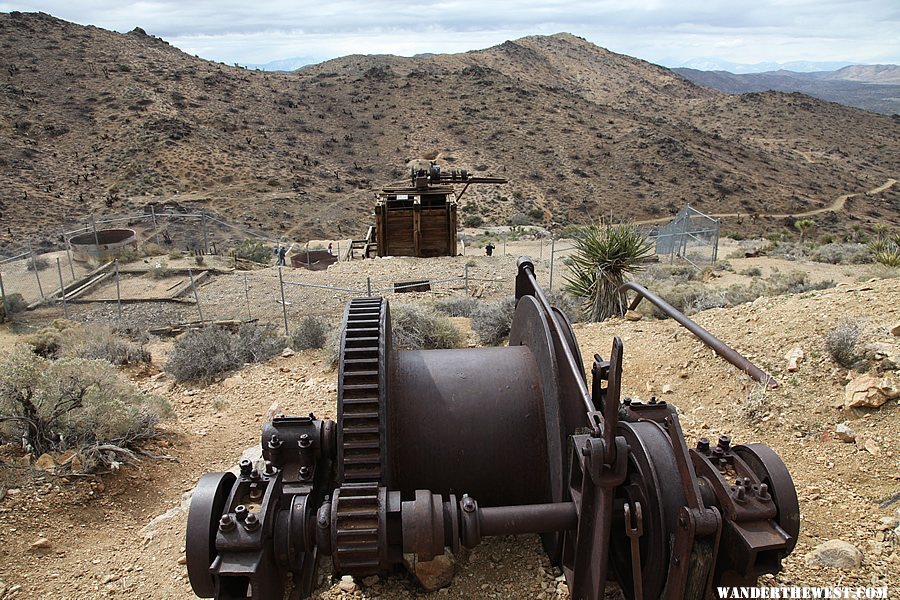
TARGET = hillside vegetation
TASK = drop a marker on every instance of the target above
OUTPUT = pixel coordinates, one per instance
(97, 121)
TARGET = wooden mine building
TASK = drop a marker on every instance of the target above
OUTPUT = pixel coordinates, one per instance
(418, 218)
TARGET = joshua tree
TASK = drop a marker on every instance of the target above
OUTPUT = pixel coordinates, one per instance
(604, 255)
(802, 225)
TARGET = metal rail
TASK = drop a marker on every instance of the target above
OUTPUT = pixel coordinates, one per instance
(721, 348)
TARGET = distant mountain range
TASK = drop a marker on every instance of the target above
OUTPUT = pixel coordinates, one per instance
(874, 88)
(799, 66)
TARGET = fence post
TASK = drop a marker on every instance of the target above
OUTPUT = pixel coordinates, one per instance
(369, 286)
(62, 289)
(68, 254)
(35, 267)
(283, 303)
(155, 225)
(118, 293)
(541, 255)
(715, 255)
(205, 235)
(339, 252)
(196, 296)
(467, 280)
(552, 260)
(5, 301)
(247, 296)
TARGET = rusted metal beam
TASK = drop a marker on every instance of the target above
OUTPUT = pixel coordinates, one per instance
(721, 348)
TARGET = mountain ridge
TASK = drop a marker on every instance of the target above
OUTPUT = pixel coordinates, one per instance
(93, 121)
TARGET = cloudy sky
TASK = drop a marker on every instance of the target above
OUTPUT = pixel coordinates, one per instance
(662, 31)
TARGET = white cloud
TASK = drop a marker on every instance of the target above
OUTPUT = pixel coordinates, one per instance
(657, 30)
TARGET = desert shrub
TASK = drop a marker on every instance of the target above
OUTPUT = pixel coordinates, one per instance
(842, 254)
(95, 342)
(752, 272)
(151, 249)
(416, 327)
(457, 307)
(473, 221)
(72, 403)
(128, 255)
(795, 282)
(160, 270)
(102, 343)
(566, 303)
(16, 303)
(49, 341)
(492, 321)
(205, 354)
(38, 264)
(253, 250)
(604, 255)
(843, 342)
(757, 404)
(310, 333)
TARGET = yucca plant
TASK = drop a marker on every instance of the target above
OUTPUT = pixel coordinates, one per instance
(604, 255)
(886, 250)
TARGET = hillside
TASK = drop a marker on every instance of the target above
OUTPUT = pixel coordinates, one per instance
(96, 121)
(870, 87)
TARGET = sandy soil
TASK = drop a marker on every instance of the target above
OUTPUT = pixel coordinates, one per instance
(100, 544)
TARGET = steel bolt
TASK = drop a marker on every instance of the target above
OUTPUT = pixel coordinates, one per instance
(304, 472)
(240, 512)
(274, 442)
(718, 452)
(703, 445)
(270, 468)
(246, 466)
(724, 442)
(305, 441)
(226, 523)
(251, 522)
(763, 491)
(468, 505)
(254, 474)
(740, 492)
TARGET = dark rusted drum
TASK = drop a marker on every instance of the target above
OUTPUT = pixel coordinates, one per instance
(457, 419)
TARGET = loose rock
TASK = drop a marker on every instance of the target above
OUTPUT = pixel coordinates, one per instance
(870, 391)
(41, 544)
(844, 433)
(347, 584)
(45, 462)
(633, 315)
(793, 357)
(835, 554)
(432, 574)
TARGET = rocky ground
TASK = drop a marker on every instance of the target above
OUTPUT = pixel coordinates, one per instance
(123, 534)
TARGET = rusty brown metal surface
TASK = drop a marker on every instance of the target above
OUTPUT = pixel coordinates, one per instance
(721, 348)
(441, 448)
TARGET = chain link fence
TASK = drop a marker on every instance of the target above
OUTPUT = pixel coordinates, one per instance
(691, 236)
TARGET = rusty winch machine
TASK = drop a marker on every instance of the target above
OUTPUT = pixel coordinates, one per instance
(442, 448)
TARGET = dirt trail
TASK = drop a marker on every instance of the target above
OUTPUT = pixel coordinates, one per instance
(835, 206)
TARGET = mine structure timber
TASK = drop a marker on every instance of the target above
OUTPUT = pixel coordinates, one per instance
(442, 448)
(417, 217)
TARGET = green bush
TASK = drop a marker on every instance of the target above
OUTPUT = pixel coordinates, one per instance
(95, 342)
(253, 250)
(160, 271)
(473, 221)
(39, 263)
(457, 307)
(492, 321)
(72, 403)
(16, 303)
(566, 303)
(415, 327)
(843, 343)
(842, 254)
(604, 255)
(309, 334)
(204, 354)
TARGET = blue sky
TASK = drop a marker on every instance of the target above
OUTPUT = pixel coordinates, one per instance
(665, 32)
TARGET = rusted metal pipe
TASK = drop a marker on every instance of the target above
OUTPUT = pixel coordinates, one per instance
(529, 518)
(721, 348)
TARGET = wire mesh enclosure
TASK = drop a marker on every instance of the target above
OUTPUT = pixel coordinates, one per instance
(691, 236)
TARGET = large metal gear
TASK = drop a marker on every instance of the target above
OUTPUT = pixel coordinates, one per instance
(440, 448)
